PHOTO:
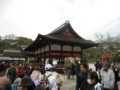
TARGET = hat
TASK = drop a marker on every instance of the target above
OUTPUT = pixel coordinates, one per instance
(106, 65)
(48, 66)
(26, 82)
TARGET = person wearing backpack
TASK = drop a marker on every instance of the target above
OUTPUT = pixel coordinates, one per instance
(17, 83)
(52, 82)
(59, 78)
(93, 81)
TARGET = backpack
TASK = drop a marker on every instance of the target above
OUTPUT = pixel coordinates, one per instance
(43, 83)
(59, 78)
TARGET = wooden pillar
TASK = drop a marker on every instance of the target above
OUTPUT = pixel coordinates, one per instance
(49, 53)
(44, 55)
(37, 55)
(61, 53)
(72, 50)
(81, 55)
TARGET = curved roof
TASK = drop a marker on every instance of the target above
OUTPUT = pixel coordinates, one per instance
(63, 34)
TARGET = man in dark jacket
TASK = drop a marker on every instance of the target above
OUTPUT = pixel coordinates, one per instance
(12, 73)
(82, 83)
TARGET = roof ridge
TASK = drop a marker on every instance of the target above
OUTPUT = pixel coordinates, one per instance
(61, 26)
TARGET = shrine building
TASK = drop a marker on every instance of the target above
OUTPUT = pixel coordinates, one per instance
(60, 43)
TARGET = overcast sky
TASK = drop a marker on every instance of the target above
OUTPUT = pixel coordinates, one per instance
(29, 17)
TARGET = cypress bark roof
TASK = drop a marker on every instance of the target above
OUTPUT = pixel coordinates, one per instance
(63, 34)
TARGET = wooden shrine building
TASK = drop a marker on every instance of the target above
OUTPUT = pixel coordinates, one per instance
(60, 43)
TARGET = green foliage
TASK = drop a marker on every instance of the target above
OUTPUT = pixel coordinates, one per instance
(24, 40)
(14, 44)
(116, 56)
(105, 48)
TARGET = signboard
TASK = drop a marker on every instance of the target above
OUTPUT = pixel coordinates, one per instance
(54, 62)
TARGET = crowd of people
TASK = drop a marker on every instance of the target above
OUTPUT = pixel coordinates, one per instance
(35, 76)
(105, 76)
(29, 77)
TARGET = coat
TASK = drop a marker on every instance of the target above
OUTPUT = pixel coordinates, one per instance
(52, 81)
(82, 83)
(36, 76)
(108, 79)
(96, 86)
(12, 74)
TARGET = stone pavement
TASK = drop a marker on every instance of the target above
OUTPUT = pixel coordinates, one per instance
(68, 84)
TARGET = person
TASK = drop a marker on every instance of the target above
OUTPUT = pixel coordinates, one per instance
(96, 65)
(82, 83)
(42, 69)
(2, 70)
(72, 69)
(108, 77)
(52, 83)
(117, 78)
(36, 75)
(21, 74)
(68, 67)
(59, 78)
(77, 68)
(4, 81)
(93, 81)
(99, 74)
(12, 73)
(7, 68)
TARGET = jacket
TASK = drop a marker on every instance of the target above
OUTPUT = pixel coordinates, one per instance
(52, 83)
(96, 86)
(12, 74)
(108, 79)
(36, 76)
(82, 83)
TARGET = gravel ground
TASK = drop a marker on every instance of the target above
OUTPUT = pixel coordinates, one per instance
(68, 84)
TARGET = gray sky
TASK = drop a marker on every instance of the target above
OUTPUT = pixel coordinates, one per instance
(87, 17)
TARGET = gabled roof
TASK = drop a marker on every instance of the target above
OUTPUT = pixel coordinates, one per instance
(17, 53)
(65, 30)
(13, 53)
(63, 34)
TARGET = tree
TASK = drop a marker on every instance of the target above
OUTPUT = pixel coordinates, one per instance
(116, 56)
(13, 42)
(24, 41)
(107, 45)
(10, 37)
